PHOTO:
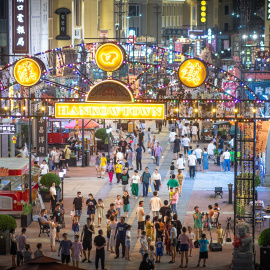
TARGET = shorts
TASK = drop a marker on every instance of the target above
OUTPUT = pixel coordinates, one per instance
(183, 247)
(127, 243)
(159, 253)
(90, 212)
(174, 242)
(87, 244)
(124, 187)
(103, 167)
(199, 160)
(176, 150)
(204, 255)
(76, 259)
(185, 149)
(126, 208)
(58, 229)
(78, 212)
(66, 161)
(56, 165)
(141, 225)
(65, 258)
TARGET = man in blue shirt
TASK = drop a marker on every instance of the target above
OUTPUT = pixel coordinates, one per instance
(203, 250)
(120, 236)
(139, 157)
(145, 180)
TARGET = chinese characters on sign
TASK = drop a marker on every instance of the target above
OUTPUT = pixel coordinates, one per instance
(27, 72)
(6, 128)
(268, 10)
(263, 54)
(41, 137)
(20, 15)
(63, 12)
(176, 32)
(192, 73)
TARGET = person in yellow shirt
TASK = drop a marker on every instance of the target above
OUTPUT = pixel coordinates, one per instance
(219, 234)
(171, 193)
(103, 163)
(118, 170)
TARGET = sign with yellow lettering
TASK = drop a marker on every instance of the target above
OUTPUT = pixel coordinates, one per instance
(27, 72)
(192, 73)
(109, 111)
(110, 57)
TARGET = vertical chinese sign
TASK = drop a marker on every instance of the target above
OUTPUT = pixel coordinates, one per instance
(42, 137)
(20, 14)
(63, 12)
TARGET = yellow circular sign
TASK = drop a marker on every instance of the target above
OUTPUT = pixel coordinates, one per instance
(192, 73)
(27, 72)
(110, 57)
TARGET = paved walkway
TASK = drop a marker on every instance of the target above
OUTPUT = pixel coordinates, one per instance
(195, 192)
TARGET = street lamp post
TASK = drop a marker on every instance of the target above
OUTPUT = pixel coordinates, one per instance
(109, 130)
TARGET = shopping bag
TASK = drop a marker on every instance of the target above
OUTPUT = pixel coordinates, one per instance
(149, 190)
(152, 157)
(149, 150)
(71, 214)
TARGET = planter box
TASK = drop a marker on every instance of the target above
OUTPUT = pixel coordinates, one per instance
(4, 243)
(45, 195)
(265, 257)
(100, 145)
(72, 162)
(26, 220)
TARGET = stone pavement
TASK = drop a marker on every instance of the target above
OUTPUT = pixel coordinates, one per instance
(195, 192)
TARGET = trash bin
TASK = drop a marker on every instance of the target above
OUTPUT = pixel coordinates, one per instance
(87, 158)
(4, 243)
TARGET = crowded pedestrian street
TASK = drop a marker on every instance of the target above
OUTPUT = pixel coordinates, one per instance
(195, 192)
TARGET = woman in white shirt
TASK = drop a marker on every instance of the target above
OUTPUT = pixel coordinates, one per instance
(180, 162)
(44, 168)
(157, 180)
(135, 181)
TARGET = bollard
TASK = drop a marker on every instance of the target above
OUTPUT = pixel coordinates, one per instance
(230, 193)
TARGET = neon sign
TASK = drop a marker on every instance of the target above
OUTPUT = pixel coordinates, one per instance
(109, 111)
(192, 73)
(110, 57)
(27, 72)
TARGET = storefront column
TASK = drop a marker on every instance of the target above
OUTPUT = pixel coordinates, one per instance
(267, 160)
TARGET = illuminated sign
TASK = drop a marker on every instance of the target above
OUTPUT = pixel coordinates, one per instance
(27, 72)
(110, 57)
(192, 73)
(268, 10)
(20, 14)
(7, 128)
(63, 12)
(109, 111)
(203, 11)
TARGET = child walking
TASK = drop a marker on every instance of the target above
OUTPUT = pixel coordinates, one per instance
(159, 249)
(203, 250)
(152, 255)
(125, 203)
(100, 211)
(128, 243)
(75, 225)
(172, 168)
(191, 238)
(219, 234)
(118, 203)
(77, 250)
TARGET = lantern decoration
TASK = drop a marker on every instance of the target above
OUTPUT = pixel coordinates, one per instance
(14, 139)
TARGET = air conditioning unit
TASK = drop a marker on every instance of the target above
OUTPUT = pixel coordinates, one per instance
(78, 33)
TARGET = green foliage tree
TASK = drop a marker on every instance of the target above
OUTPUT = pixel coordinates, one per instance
(49, 178)
(264, 238)
(101, 134)
(7, 223)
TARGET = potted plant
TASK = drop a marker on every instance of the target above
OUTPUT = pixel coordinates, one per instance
(6, 224)
(26, 217)
(45, 184)
(264, 243)
(72, 161)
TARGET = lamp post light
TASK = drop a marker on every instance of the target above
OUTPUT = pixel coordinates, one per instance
(109, 130)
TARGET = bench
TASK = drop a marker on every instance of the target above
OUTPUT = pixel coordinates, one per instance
(43, 228)
(218, 192)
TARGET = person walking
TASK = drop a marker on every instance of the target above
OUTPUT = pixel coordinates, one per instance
(203, 250)
(140, 217)
(53, 226)
(91, 207)
(176, 147)
(186, 144)
(112, 226)
(138, 158)
(194, 131)
(124, 179)
(172, 182)
(155, 204)
(77, 250)
(180, 179)
(198, 154)
(141, 139)
(65, 248)
(86, 239)
(110, 169)
(118, 170)
(77, 204)
(180, 162)
(226, 156)
(149, 138)
(192, 165)
(146, 180)
(97, 164)
(100, 243)
(135, 182)
(129, 157)
(158, 153)
(184, 246)
(13, 246)
(172, 138)
(198, 225)
(157, 180)
(120, 236)
(67, 152)
(173, 239)
(205, 160)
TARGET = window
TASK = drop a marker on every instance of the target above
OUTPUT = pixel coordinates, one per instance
(226, 10)
(226, 27)
(194, 13)
(78, 11)
(50, 15)
(134, 10)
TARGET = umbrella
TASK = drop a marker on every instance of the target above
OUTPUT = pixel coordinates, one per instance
(44, 263)
(88, 124)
